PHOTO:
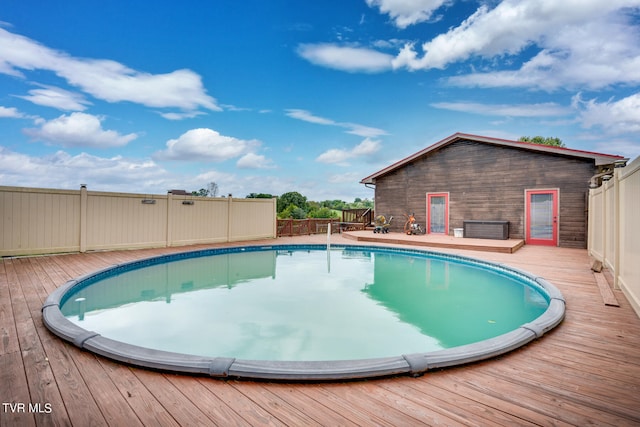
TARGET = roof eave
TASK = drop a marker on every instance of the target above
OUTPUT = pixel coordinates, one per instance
(599, 158)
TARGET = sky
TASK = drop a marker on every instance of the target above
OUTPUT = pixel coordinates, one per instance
(308, 96)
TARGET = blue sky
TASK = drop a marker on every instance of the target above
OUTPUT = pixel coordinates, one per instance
(309, 96)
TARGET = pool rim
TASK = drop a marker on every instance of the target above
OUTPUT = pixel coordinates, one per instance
(228, 367)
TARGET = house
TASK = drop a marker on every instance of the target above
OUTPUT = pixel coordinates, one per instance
(494, 188)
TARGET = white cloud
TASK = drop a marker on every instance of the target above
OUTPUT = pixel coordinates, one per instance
(352, 128)
(339, 156)
(334, 155)
(567, 60)
(62, 170)
(10, 112)
(614, 117)
(577, 43)
(407, 12)
(622, 147)
(227, 182)
(346, 58)
(105, 79)
(306, 116)
(254, 161)
(364, 131)
(231, 107)
(79, 130)
(389, 44)
(181, 116)
(205, 145)
(567, 33)
(50, 96)
(366, 148)
(345, 178)
(546, 109)
(507, 29)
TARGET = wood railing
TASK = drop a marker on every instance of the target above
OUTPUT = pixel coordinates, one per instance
(308, 226)
(363, 216)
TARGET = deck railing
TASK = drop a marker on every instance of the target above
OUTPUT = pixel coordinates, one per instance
(308, 226)
(364, 216)
(614, 228)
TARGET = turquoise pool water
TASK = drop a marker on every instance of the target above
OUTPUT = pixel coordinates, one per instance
(304, 305)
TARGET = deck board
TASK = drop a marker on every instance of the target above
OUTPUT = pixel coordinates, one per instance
(607, 294)
(586, 371)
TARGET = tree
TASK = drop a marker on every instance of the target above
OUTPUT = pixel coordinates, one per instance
(323, 212)
(210, 191)
(291, 198)
(203, 192)
(552, 141)
(293, 211)
(212, 188)
(259, 196)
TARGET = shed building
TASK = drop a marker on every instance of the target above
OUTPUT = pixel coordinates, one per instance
(494, 188)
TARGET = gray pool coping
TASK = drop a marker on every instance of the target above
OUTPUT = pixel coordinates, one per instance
(224, 367)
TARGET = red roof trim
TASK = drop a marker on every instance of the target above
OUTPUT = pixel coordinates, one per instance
(532, 145)
(490, 140)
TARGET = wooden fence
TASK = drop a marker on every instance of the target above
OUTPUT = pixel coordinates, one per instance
(300, 227)
(614, 228)
(363, 216)
(37, 221)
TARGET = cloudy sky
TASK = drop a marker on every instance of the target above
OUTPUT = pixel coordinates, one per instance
(309, 96)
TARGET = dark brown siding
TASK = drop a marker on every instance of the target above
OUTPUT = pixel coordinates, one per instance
(487, 182)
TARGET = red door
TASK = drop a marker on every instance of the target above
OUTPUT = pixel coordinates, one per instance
(438, 213)
(542, 217)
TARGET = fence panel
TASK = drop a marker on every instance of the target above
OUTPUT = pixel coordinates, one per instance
(614, 229)
(252, 219)
(629, 233)
(37, 221)
(120, 220)
(610, 237)
(596, 223)
(194, 220)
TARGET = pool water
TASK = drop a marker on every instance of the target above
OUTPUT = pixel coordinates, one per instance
(303, 305)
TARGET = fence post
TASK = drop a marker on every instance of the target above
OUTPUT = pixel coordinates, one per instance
(229, 217)
(83, 217)
(169, 218)
(603, 226)
(275, 218)
(616, 226)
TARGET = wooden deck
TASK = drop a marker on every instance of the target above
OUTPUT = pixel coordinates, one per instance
(585, 372)
(437, 241)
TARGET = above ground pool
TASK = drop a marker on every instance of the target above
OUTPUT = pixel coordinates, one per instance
(303, 312)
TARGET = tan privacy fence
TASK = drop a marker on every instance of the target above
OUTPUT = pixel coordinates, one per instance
(614, 228)
(37, 221)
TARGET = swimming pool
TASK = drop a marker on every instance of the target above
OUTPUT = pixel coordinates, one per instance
(302, 312)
